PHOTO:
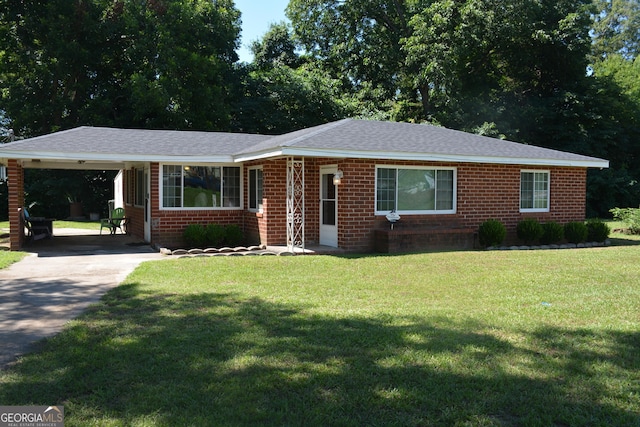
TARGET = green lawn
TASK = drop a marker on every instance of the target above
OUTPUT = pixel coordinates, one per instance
(504, 338)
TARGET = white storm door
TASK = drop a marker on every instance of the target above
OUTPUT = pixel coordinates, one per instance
(328, 207)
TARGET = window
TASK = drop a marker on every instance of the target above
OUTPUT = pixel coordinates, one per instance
(415, 190)
(255, 190)
(534, 191)
(140, 187)
(185, 186)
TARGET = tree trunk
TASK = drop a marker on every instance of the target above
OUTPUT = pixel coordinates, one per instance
(423, 89)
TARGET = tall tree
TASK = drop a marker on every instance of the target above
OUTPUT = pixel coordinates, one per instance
(441, 54)
(152, 63)
(616, 28)
(358, 41)
(282, 92)
(276, 47)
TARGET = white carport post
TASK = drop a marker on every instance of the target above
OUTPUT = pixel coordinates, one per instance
(295, 204)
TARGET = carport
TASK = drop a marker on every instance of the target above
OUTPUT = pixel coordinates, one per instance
(67, 150)
(15, 176)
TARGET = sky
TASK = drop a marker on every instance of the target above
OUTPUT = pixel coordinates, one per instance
(256, 17)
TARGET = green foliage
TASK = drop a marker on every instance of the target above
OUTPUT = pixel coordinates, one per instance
(212, 235)
(630, 216)
(195, 236)
(552, 232)
(155, 64)
(597, 230)
(491, 233)
(276, 48)
(529, 230)
(575, 232)
(49, 192)
(281, 99)
(215, 235)
(233, 235)
(616, 28)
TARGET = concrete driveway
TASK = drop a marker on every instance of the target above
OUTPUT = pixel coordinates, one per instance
(57, 281)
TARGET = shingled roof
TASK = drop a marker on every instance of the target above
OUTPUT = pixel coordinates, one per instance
(342, 139)
(406, 141)
(100, 143)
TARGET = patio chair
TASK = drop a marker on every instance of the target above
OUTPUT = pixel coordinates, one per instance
(115, 221)
(36, 230)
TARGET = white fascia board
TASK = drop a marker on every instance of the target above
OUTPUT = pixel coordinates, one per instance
(43, 155)
(259, 155)
(453, 158)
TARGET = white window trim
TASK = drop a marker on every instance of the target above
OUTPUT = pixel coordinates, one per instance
(259, 209)
(419, 212)
(182, 165)
(534, 171)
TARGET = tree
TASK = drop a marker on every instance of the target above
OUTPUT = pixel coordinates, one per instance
(357, 42)
(282, 92)
(616, 28)
(280, 99)
(276, 47)
(450, 58)
(153, 63)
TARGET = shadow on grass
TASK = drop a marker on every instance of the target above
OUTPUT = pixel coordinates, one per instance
(624, 241)
(224, 359)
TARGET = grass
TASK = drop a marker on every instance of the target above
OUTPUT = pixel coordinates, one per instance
(85, 225)
(7, 258)
(533, 338)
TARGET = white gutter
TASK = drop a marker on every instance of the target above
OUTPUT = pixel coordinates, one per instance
(453, 158)
(101, 157)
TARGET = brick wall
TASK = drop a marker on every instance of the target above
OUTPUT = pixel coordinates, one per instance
(15, 179)
(484, 191)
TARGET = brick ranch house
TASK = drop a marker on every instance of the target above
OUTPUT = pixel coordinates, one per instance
(330, 185)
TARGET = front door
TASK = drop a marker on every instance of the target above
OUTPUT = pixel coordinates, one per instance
(328, 207)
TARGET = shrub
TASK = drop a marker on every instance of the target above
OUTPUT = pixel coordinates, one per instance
(529, 230)
(215, 234)
(575, 232)
(491, 233)
(195, 235)
(597, 230)
(630, 216)
(552, 232)
(233, 235)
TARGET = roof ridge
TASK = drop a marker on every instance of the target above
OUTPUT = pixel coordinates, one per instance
(321, 129)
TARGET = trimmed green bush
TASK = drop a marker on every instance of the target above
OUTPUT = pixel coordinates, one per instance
(630, 216)
(491, 233)
(529, 230)
(195, 235)
(575, 232)
(597, 230)
(215, 234)
(552, 232)
(233, 235)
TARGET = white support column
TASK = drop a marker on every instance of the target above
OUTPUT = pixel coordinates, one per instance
(295, 204)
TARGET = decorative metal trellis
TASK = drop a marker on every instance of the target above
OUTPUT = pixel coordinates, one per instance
(295, 204)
